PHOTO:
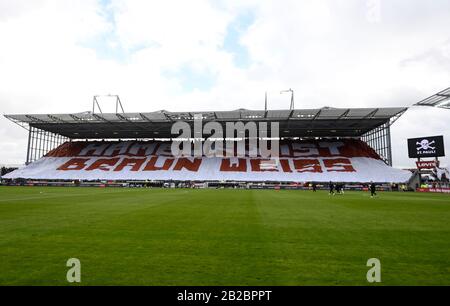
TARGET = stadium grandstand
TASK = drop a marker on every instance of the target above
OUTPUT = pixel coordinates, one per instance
(349, 145)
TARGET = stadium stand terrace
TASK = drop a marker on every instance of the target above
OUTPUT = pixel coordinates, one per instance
(363, 131)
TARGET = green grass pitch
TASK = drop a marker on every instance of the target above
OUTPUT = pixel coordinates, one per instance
(221, 237)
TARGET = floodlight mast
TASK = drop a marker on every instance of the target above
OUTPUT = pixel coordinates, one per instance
(96, 103)
(265, 102)
(292, 97)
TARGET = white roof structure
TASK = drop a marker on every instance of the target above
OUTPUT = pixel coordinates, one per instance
(441, 99)
(323, 122)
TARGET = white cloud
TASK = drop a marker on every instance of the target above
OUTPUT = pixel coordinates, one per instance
(171, 24)
(328, 51)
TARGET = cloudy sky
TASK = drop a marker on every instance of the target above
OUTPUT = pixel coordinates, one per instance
(223, 55)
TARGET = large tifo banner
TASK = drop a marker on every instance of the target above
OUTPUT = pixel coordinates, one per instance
(299, 161)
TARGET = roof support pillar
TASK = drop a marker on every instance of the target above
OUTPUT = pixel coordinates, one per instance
(389, 144)
(28, 147)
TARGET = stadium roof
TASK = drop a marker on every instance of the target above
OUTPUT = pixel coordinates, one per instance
(324, 122)
(441, 99)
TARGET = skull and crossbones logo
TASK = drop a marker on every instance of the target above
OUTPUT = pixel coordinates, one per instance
(425, 145)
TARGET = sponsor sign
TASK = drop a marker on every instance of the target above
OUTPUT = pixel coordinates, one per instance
(426, 164)
(434, 190)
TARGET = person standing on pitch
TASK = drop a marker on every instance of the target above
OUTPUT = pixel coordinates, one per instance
(331, 186)
(373, 189)
(314, 187)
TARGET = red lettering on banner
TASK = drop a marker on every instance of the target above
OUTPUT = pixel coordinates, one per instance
(118, 148)
(102, 164)
(227, 166)
(339, 165)
(348, 148)
(191, 165)
(151, 165)
(285, 150)
(304, 149)
(74, 164)
(164, 149)
(142, 149)
(328, 149)
(263, 165)
(285, 165)
(307, 165)
(133, 162)
(94, 149)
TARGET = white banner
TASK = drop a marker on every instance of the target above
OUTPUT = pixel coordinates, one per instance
(320, 161)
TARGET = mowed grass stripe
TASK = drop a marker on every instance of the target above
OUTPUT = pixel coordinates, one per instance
(338, 233)
(222, 237)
